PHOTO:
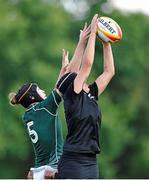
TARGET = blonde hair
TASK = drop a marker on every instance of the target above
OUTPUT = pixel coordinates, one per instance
(12, 98)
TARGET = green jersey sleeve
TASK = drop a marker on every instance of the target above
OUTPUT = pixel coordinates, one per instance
(52, 102)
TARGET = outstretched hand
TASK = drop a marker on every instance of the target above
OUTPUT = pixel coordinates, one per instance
(94, 24)
(65, 64)
(85, 32)
(65, 60)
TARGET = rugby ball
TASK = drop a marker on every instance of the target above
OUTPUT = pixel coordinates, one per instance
(108, 30)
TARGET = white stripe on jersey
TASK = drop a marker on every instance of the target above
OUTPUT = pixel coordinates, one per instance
(54, 99)
(56, 139)
(42, 109)
(64, 80)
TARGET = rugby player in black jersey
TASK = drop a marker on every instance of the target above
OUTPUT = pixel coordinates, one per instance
(82, 113)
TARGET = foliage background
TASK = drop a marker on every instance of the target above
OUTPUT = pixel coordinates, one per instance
(32, 35)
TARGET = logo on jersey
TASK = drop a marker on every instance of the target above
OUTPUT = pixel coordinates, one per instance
(90, 96)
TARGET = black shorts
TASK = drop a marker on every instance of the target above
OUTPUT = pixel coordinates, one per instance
(77, 166)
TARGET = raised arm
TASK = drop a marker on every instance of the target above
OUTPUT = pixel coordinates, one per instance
(109, 70)
(88, 58)
(76, 60)
(65, 64)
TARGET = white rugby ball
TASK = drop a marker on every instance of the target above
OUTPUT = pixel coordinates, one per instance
(109, 30)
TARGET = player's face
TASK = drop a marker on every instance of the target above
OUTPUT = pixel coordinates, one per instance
(41, 93)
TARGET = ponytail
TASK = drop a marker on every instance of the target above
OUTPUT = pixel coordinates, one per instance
(12, 98)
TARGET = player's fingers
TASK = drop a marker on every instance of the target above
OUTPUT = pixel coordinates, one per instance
(86, 33)
(63, 52)
(89, 27)
(67, 54)
(86, 37)
(94, 18)
(85, 26)
(67, 57)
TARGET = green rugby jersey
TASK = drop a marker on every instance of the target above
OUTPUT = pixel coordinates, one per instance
(45, 130)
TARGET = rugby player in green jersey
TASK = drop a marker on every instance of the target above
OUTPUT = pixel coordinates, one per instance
(41, 117)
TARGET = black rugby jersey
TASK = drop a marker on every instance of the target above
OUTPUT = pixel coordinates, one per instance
(83, 120)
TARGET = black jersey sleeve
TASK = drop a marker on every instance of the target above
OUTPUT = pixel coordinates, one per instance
(65, 81)
(94, 90)
(70, 93)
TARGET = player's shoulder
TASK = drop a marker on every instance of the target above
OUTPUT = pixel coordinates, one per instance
(53, 97)
(51, 102)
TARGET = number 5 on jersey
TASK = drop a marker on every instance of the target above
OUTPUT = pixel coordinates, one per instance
(33, 134)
